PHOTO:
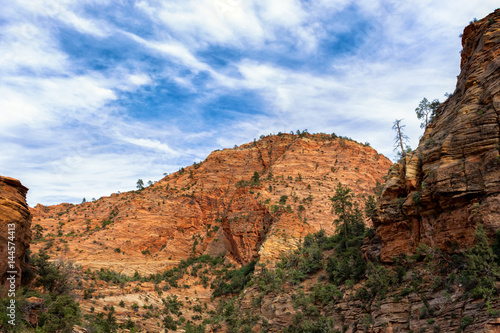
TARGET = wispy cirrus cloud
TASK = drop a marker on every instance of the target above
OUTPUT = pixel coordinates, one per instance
(91, 87)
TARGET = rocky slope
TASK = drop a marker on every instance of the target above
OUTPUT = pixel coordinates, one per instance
(15, 227)
(256, 200)
(439, 193)
(405, 308)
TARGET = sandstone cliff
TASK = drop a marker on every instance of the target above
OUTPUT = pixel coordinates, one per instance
(217, 206)
(15, 227)
(439, 193)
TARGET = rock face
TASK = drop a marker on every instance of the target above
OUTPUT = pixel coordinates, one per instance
(217, 206)
(394, 313)
(439, 193)
(15, 232)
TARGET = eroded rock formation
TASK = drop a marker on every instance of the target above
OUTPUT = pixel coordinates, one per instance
(15, 231)
(439, 193)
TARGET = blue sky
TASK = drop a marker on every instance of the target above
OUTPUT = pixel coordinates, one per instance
(97, 94)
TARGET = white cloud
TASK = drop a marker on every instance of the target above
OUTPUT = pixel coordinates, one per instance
(220, 21)
(282, 13)
(45, 13)
(65, 135)
(93, 27)
(172, 49)
(28, 47)
(16, 111)
(139, 79)
(235, 23)
(153, 144)
(37, 101)
(75, 177)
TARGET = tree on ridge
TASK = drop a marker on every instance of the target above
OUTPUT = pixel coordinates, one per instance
(426, 110)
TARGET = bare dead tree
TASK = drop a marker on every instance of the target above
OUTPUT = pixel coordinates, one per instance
(401, 139)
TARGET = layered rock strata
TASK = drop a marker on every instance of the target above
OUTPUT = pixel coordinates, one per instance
(431, 311)
(15, 232)
(439, 193)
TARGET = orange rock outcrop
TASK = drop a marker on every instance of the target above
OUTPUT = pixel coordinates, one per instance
(216, 206)
(15, 232)
(439, 193)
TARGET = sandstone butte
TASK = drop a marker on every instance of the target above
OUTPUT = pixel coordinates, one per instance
(439, 193)
(13, 212)
(213, 207)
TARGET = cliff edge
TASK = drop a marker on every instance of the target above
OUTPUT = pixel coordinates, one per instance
(15, 224)
(439, 193)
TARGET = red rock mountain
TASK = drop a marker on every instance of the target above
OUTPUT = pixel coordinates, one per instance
(217, 206)
(439, 193)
